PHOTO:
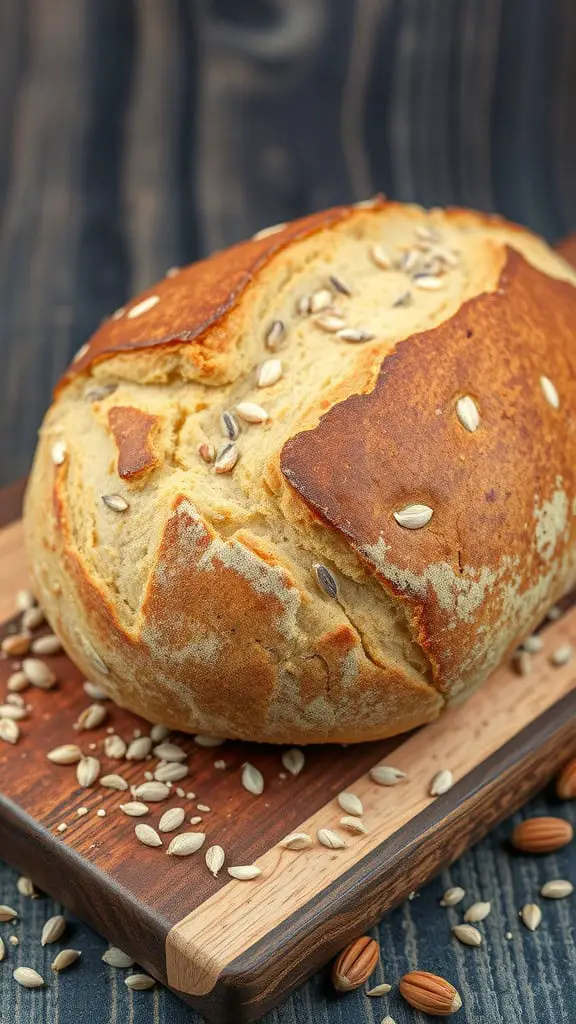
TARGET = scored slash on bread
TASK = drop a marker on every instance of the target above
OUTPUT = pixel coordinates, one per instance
(415, 455)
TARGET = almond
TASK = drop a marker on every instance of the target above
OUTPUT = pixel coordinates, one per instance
(566, 781)
(355, 964)
(542, 835)
(430, 993)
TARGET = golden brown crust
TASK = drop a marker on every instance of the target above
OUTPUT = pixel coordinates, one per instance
(134, 433)
(502, 496)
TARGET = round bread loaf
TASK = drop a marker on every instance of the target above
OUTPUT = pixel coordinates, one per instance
(315, 487)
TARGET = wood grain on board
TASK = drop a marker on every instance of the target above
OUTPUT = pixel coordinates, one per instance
(233, 949)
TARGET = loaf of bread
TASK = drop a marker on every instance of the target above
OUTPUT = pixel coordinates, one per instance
(317, 486)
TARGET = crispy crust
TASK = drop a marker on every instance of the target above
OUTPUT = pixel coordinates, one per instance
(225, 632)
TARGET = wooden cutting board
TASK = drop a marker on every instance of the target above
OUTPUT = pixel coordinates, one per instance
(230, 948)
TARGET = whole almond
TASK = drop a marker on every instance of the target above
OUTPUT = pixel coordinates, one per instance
(566, 781)
(355, 964)
(430, 993)
(542, 835)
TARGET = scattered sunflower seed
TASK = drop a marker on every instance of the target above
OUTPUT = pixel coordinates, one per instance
(171, 772)
(338, 285)
(557, 889)
(49, 644)
(467, 413)
(115, 957)
(134, 809)
(9, 730)
(114, 782)
(331, 323)
(325, 580)
(25, 887)
(16, 645)
(333, 840)
(13, 712)
(159, 732)
(186, 843)
(452, 896)
(91, 718)
(172, 819)
(303, 305)
(355, 825)
(380, 257)
(17, 682)
(196, 819)
(58, 453)
(143, 307)
(320, 300)
(275, 335)
(226, 458)
(229, 425)
(355, 334)
(139, 749)
(93, 691)
(467, 934)
(53, 929)
(533, 644)
(139, 982)
(152, 791)
(203, 807)
(38, 673)
(88, 771)
(252, 779)
(24, 600)
(28, 977)
(531, 916)
(427, 282)
(413, 517)
(477, 912)
(147, 835)
(244, 872)
(550, 392)
(554, 613)
(115, 747)
(33, 618)
(269, 373)
(169, 752)
(442, 782)
(562, 655)
(209, 741)
(386, 775)
(293, 760)
(65, 958)
(251, 412)
(214, 858)
(296, 841)
(115, 502)
(7, 913)
(379, 990)
(351, 804)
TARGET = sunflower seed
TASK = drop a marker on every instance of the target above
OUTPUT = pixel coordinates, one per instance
(338, 285)
(203, 807)
(386, 775)
(115, 502)
(25, 887)
(151, 791)
(296, 841)
(214, 858)
(16, 645)
(115, 747)
(427, 233)
(65, 958)
(226, 458)
(16, 714)
(186, 843)
(103, 390)
(404, 299)
(269, 372)
(320, 300)
(427, 282)
(139, 982)
(354, 334)
(531, 916)
(275, 335)
(467, 934)
(379, 990)
(533, 644)
(115, 957)
(38, 673)
(477, 912)
(15, 700)
(7, 913)
(550, 392)
(293, 760)
(32, 618)
(88, 771)
(17, 682)
(252, 779)
(333, 840)
(351, 804)
(209, 741)
(9, 730)
(172, 819)
(28, 977)
(114, 782)
(134, 809)
(442, 782)
(207, 452)
(147, 835)
(159, 732)
(171, 772)
(49, 644)
(139, 749)
(413, 517)
(53, 929)
(355, 825)
(251, 412)
(452, 896)
(170, 752)
(380, 257)
(143, 307)
(58, 453)
(409, 261)
(522, 662)
(562, 655)
(93, 691)
(91, 718)
(331, 323)
(244, 872)
(557, 889)
(303, 305)
(2, 949)
(24, 600)
(229, 425)
(325, 580)
(196, 819)
(467, 413)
